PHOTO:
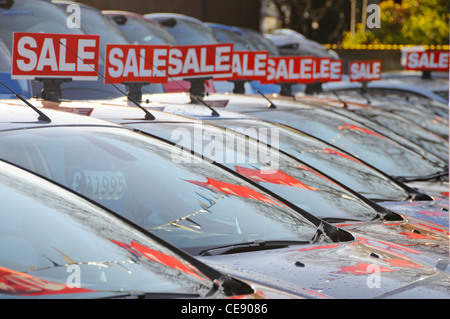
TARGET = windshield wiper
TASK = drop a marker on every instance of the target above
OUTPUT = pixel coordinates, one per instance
(251, 246)
(155, 295)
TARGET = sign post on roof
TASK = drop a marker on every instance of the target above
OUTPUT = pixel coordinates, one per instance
(427, 61)
(55, 56)
(200, 61)
(363, 71)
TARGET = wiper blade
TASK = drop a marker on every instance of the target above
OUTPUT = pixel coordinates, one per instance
(156, 295)
(251, 246)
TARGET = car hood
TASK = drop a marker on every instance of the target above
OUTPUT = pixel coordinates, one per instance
(425, 242)
(364, 268)
(434, 211)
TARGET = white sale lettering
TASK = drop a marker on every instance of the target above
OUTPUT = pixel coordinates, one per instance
(214, 60)
(365, 70)
(136, 63)
(427, 60)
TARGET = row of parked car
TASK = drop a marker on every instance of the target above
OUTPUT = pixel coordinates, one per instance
(338, 194)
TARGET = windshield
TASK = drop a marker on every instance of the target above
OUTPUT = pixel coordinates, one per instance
(281, 174)
(426, 139)
(32, 16)
(191, 204)
(344, 133)
(426, 115)
(326, 158)
(260, 42)
(5, 59)
(240, 43)
(141, 31)
(52, 242)
(185, 31)
(94, 22)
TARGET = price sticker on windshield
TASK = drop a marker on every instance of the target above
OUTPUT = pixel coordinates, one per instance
(44, 55)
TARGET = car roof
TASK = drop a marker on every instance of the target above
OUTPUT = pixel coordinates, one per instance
(16, 116)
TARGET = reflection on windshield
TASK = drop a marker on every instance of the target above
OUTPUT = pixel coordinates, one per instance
(299, 184)
(384, 154)
(236, 190)
(342, 167)
(77, 244)
(150, 189)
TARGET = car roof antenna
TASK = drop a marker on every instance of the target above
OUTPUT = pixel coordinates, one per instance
(344, 104)
(148, 115)
(42, 116)
(194, 82)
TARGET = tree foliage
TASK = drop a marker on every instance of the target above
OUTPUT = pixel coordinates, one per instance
(411, 22)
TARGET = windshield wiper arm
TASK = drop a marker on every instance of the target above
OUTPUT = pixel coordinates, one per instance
(155, 295)
(251, 246)
(318, 234)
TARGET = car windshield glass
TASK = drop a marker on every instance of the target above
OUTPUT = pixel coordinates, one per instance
(32, 16)
(5, 59)
(94, 22)
(326, 158)
(192, 204)
(287, 177)
(240, 43)
(371, 147)
(261, 42)
(426, 139)
(434, 119)
(52, 241)
(141, 31)
(188, 32)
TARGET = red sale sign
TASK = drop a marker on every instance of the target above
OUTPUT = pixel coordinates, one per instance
(210, 60)
(362, 71)
(249, 65)
(428, 60)
(44, 55)
(301, 69)
(136, 63)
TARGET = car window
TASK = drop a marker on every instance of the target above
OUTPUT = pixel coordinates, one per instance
(324, 157)
(94, 22)
(426, 139)
(191, 204)
(375, 149)
(291, 179)
(32, 16)
(47, 234)
(188, 32)
(240, 43)
(140, 31)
